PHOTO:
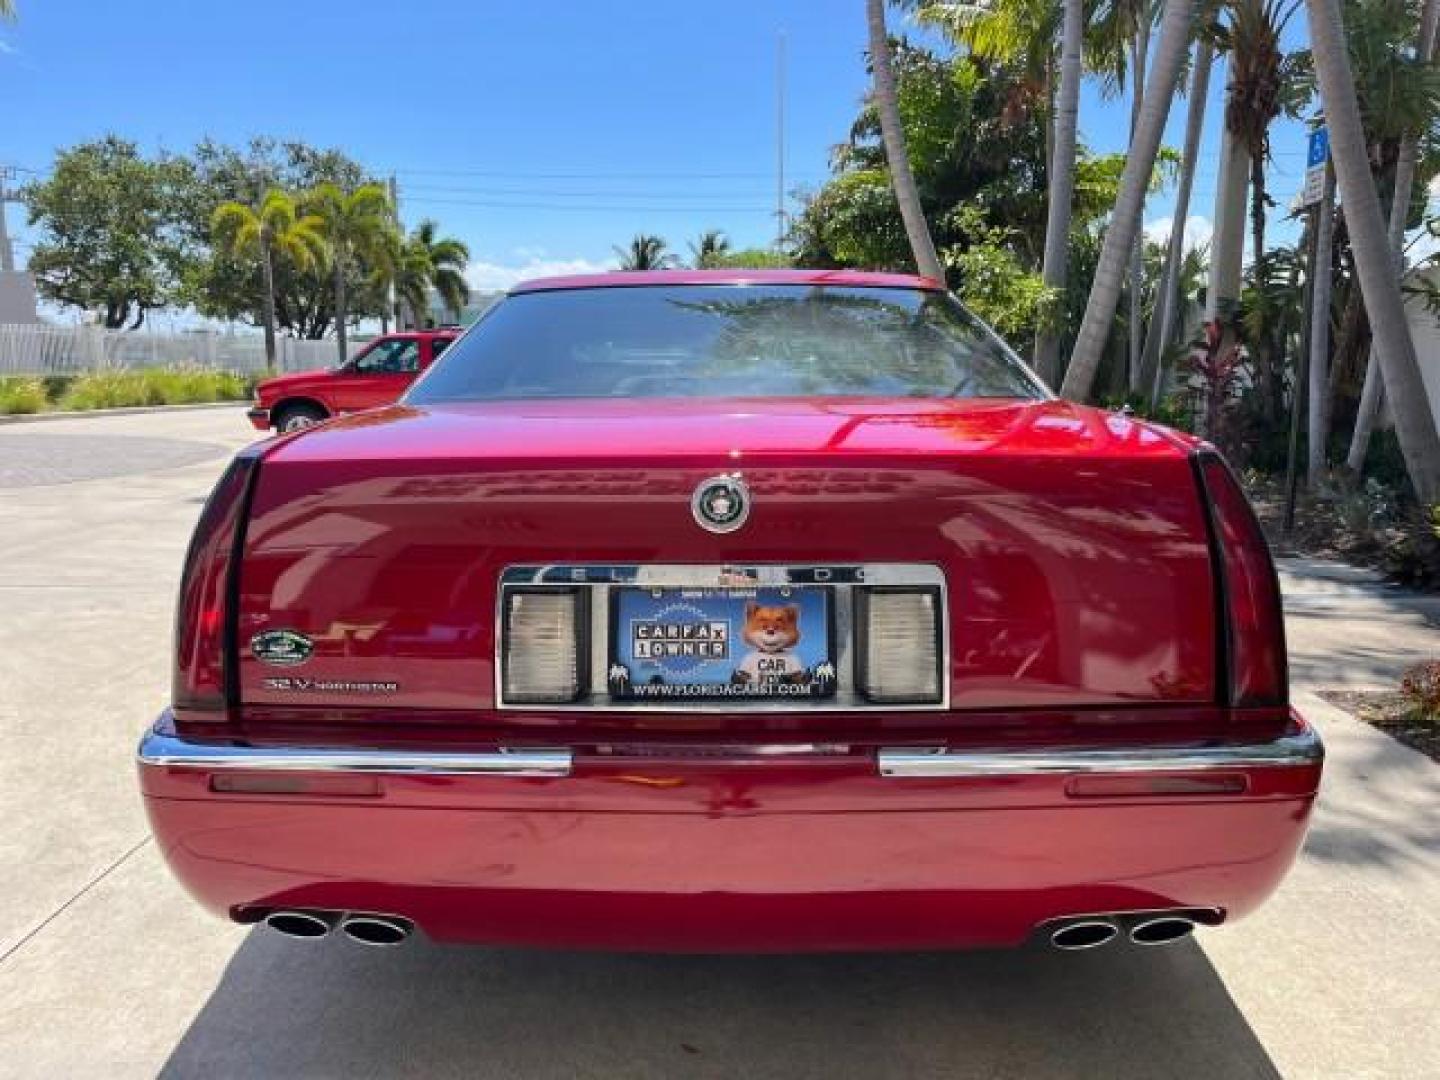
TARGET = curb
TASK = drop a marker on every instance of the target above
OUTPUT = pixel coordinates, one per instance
(128, 410)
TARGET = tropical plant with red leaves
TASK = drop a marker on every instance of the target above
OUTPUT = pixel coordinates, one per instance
(1420, 686)
(1221, 371)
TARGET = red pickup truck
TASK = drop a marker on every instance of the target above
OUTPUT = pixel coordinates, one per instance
(377, 376)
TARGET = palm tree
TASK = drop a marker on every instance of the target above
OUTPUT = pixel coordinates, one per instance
(357, 225)
(1319, 344)
(1263, 83)
(429, 261)
(1119, 40)
(276, 229)
(1227, 244)
(1021, 35)
(1373, 254)
(646, 252)
(887, 105)
(1400, 198)
(712, 246)
(1170, 53)
(1055, 266)
(1162, 318)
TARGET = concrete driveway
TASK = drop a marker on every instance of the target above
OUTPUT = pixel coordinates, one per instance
(106, 969)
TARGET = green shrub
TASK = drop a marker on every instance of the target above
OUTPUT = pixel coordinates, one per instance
(1412, 555)
(1171, 411)
(1420, 686)
(123, 389)
(104, 390)
(22, 395)
(56, 385)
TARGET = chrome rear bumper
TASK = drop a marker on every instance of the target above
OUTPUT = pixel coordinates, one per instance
(161, 747)
(1292, 750)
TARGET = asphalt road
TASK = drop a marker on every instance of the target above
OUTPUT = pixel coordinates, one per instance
(106, 969)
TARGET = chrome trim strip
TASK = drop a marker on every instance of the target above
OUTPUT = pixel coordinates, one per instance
(1289, 751)
(161, 749)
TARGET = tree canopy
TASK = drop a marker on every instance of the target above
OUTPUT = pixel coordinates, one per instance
(122, 233)
(111, 239)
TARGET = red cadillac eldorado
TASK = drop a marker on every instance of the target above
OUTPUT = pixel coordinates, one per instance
(730, 611)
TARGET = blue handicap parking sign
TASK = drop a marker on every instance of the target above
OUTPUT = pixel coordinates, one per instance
(1319, 147)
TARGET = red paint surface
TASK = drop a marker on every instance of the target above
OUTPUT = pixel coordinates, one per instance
(345, 390)
(675, 853)
(1073, 540)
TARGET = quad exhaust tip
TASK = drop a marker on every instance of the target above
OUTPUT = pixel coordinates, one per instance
(300, 924)
(1092, 931)
(381, 930)
(1162, 930)
(1085, 934)
(378, 930)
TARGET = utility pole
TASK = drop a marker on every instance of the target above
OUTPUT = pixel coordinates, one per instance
(780, 143)
(391, 302)
(7, 253)
(1300, 392)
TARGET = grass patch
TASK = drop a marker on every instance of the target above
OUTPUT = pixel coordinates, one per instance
(120, 389)
(126, 389)
(22, 395)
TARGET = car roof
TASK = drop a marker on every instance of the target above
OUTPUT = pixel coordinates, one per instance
(634, 278)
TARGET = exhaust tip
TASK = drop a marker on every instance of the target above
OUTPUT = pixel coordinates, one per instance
(1162, 930)
(298, 924)
(376, 930)
(1088, 934)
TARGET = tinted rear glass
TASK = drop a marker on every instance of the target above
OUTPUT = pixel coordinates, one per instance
(726, 341)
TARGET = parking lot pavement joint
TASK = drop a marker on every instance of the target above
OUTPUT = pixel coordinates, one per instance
(34, 931)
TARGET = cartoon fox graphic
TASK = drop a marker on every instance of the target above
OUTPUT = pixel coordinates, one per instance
(772, 632)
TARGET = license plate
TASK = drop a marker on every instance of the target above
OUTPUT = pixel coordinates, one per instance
(672, 645)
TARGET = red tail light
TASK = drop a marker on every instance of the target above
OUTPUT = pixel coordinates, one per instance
(1254, 621)
(204, 621)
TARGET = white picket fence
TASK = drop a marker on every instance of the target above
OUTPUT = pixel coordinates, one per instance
(73, 350)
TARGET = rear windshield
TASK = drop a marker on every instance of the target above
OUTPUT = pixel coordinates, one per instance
(687, 341)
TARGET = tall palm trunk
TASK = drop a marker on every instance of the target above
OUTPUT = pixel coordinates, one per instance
(1227, 244)
(1066, 119)
(901, 178)
(1051, 75)
(1374, 255)
(1125, 222)
(267, 304)
(1139, 53)
(1319, 345)
(1162, 319)
(1373, 391)
(341, 315)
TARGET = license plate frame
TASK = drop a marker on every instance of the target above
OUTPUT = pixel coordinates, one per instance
(679, 645)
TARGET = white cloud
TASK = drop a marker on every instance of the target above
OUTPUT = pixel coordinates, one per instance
(1198, 230)
(493, 276)
(8, 49)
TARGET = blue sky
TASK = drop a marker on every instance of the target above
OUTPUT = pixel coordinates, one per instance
(541, 134)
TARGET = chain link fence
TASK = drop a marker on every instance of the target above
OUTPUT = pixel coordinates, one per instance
(75, 350)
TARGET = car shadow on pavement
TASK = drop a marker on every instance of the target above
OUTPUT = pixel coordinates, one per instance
(334, 1008)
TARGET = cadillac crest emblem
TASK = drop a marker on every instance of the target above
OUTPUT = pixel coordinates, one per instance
(721, 504)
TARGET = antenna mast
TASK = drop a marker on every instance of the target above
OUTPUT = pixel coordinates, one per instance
(780, 143)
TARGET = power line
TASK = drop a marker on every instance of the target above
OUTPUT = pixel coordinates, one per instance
(569, 193)
(637, 208)
(589, 175)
